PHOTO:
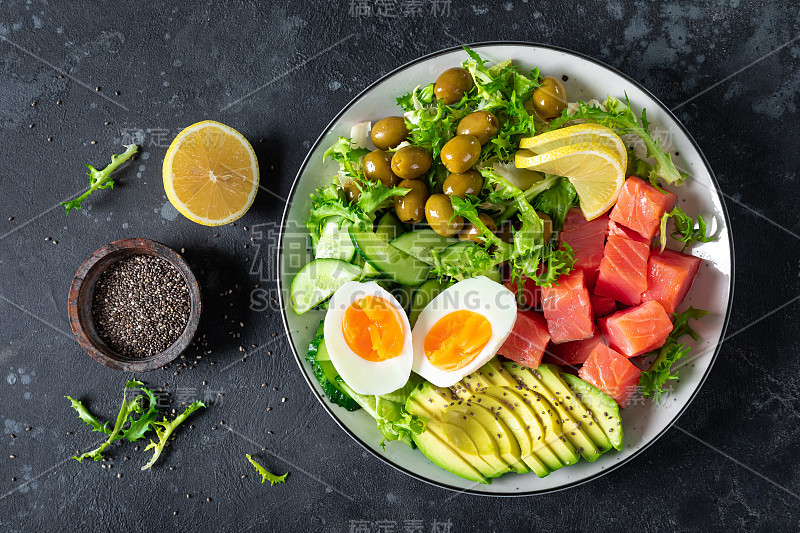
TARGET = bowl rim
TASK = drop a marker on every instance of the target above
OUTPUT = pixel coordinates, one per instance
(583, 57)
(146, 247)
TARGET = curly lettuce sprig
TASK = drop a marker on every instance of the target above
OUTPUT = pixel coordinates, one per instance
(685, 230)
(101, 179)
(266, 475)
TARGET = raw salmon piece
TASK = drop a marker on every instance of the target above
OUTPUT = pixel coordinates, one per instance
(586, 240)
(621, 231)
(637, 330)
(568, 308)
(530, 292)
(623, 270)
(611, 373)
(669, 278)
(603, 305)
(575, 352)
(528, 339)
(640, 206)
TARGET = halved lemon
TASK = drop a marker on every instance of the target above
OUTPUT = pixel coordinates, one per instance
(595, 171)
(580, 133)
(211, 173)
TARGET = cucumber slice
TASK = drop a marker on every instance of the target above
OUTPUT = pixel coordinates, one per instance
(397, 265)
(423, 296)
(334, 241)
(332, 385)
(389, 227)
(457, 253)
(421, 243)
(318, 280)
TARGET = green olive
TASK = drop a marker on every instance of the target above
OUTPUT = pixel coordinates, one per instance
(470, 182)
(550, 98)
(439, 214)
(378, 167)
(471, 233)
(480, 124)
(389, 132)
(547, 232)
(351, 192)
(461, 153)
(411, 207)
(411, 162)
(452, 85)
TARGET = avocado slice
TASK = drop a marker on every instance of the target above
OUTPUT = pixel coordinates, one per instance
(532, 424)
(506, 443)
(480, 436)
(443, 456)
(535, 380)
(555, 381)
(519, 429)
(602, 406)
(554, 438)
(431, 402)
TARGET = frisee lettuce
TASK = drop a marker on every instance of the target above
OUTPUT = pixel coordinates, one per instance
(164, 429)
(619, 116)
(101, 179)
(651, 383)
(266, 475)
(685, 230)
(137, 426)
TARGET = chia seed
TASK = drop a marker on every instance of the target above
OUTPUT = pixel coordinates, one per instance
(140, 306)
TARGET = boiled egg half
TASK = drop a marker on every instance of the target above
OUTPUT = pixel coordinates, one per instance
(368, 336)
(461, 329)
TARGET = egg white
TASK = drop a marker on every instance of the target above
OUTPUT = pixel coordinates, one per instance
(366, 377)
(480, 295)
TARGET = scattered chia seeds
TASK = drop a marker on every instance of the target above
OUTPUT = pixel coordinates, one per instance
(140, 306)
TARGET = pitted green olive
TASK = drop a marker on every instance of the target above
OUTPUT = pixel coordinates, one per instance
(452, 85)
(411, 207)
(470, 182)
(351, 192)
(411, 162)
(483, 125)
(439, 214)
(461, 153)
(389, 132)
(550, 98)
(471, 233)
(378, 167)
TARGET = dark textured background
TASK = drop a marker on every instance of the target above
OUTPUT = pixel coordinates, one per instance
(175, 64)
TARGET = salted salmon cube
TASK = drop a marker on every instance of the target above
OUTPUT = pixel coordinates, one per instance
(528, 296)
(612, 373)
(640, 206)
(602, 305)
(637, 330)
(619, 230)
(528, 339)
(669, 277)
(586, 238)
(568, 308)
(575, 352)
(623, 270)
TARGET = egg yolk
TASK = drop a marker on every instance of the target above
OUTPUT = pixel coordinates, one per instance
(372, 329)
(456, 339)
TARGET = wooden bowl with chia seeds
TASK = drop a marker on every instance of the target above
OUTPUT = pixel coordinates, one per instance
(134, 305)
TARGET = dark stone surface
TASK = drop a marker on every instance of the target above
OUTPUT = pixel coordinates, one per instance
(175, 64)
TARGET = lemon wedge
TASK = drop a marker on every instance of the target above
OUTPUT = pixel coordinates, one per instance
(594, 169)
(580, 133)
(211, 173)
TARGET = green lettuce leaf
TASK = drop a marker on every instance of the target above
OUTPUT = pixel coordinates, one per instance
(685, 230)
(556, 201)
(164, 429)
(101, 179)
(652, 382)
(266, 475)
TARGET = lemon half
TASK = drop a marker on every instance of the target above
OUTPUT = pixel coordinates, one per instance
(211, 173)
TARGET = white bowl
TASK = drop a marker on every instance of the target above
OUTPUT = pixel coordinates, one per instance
(643, 422)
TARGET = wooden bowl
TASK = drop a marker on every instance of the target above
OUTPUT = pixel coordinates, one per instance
(81, 293)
